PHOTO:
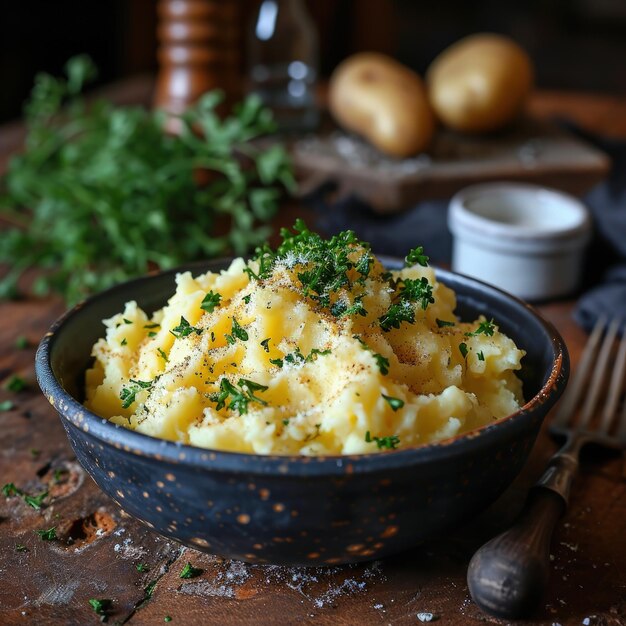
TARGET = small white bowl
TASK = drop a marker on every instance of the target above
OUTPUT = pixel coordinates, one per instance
(526, 239)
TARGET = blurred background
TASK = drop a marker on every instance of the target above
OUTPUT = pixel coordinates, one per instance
(576, 44)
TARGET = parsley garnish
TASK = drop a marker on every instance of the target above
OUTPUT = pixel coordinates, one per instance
(239, 398)
(286, 422)
(57, 475)
(236, 332)
(48, 535)
(127, 394)
(163, 355)
(161, 215)
(418, 290)
(211, 300)
(382, 362)
(127, 321)
(443, 323)
(153, 325)
(341, 309)
(295, 357)
(184, 329)
(396, 314)
(416, 256)
(20, 547)
(16, 383)
(481, 356)
(389, 443)
(35, 501)
(142, 567)
(266, 344)
(6, 405)
(486, 328)
(21, 343)
(394, 403)
(101, 606)
(9, 490)
(246, 299)
(149, 590)
(463, 349)
(152, 334)
(277, 362)
(123, 342)
(167, 618)
(189, 571)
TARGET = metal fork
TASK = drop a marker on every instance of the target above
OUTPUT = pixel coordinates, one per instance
(507, 576)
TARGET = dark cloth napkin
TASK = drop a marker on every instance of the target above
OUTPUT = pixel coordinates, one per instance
(604, 281)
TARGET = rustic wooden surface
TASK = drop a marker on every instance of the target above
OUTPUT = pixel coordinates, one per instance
(99, 546)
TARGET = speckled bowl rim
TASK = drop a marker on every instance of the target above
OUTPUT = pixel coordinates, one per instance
(338, 465)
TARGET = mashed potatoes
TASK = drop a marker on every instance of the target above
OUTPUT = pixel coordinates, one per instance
(311, 349)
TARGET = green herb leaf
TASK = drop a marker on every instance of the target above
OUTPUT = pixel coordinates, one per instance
(238, 398)
(481, 356)
(389, 443)
(394, 403)
(7, 405)
(463, 349)
(486, 328)
(396, 314)
(237, 332)
(189, 571)
(152, 325)
(277, 362)
(443, 323)
(416, 256)
(20, 547)
(123, 342)
(210, 301)
(163, 355)
(16, 383)
(266, 344)
(100, 606)
(167, 618)
(127, 394)
(21, 343)
(35, 502)
(48, 535)
(142, 567)
(9, 490)
(184, 329)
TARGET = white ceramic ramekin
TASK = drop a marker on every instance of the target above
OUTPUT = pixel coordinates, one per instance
(526, 239)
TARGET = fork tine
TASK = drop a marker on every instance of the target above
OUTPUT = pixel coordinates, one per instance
(575, 387)
(615, 389)
(599, 375)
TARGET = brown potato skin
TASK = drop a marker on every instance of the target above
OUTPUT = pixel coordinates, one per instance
(480, 83)
(375, 96)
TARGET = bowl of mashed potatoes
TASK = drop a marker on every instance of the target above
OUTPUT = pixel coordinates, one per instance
(312, 405)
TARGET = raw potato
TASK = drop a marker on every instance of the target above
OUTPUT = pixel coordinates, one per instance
(480, 83)
(384, 101)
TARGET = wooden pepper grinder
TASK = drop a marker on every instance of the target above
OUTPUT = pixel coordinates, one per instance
(199, 51)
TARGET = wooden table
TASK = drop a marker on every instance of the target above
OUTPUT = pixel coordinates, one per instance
(52, 582)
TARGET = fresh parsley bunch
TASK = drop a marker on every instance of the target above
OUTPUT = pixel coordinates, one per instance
(102, 193)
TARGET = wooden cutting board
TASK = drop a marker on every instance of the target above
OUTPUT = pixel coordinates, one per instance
(533, 150)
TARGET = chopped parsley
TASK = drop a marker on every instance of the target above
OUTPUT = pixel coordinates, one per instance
(9, 490)
(285, 422)
(153, 325)
(486, 328)
(238, 398)
(100, 606)
(396, 314)
(210, 301)
(141, 567)
(16, 383)
(20, 547)
(123, 342)
(127, 394)
(35, 502)
(127, 321)
(57, 475)
(418, 290)
(481, 356)
(246, 299)
(149, 590)
(295, 357)
(388, 443)
(48, 535)
(189, 571)
(212, 336)
(341, 309)
(6, 405)
(21, 343)
(162, 355)
(443, 323)
(184, 329)
(394, 403)
(416, 256)
(167, 618)
(152, 334)
(266, 344)
(236, 332)
(463, 349)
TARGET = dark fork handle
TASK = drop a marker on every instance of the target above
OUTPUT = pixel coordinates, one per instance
(508, 575)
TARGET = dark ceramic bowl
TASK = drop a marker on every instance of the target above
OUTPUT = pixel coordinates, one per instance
(300, 510)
